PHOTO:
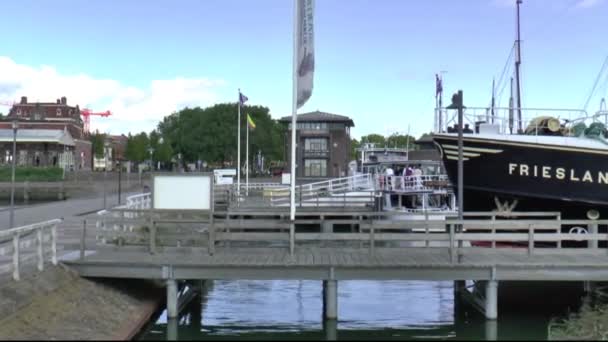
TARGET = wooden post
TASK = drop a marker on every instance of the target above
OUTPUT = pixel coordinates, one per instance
(39, 249)
(82, 239)
(372, 243)
(152, 237)
(559, 230)
(530, 240)
(592, 230)
(292, 237)
(16, 256)
(452, 244)
(493, 231)
(212, 237)
(54, 244)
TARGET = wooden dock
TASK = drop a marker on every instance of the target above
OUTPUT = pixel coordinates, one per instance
(345, 245)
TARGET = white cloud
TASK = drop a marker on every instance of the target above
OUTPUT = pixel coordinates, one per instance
(588, 3)
(133, 109)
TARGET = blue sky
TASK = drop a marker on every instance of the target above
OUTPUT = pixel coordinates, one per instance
(375, 59)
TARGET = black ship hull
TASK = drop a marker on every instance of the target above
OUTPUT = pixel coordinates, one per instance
(541, 177)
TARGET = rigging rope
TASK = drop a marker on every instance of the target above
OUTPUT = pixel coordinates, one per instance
(500, 84)
(597, 79)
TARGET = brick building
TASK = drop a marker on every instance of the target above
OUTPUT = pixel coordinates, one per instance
(58, 123)
(323, 144)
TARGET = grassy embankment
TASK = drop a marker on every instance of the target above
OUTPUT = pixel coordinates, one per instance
(32, 174)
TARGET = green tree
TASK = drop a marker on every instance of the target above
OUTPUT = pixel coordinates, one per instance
(97, 141)
(401, 141)
(377, 139)
(210, 134)
(354, 145)
(137, 147)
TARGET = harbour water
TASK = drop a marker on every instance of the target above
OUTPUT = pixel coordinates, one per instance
(367, 310)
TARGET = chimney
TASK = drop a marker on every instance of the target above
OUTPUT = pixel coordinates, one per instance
(57, 101)
(23, 99)
(64, 101)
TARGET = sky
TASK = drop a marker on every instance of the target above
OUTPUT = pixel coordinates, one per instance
(375, 60)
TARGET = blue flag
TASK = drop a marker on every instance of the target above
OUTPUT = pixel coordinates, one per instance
(242, 98)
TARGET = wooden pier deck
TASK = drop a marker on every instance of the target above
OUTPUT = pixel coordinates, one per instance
(315, 263)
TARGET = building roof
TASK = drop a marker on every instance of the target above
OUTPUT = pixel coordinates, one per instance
(57, 136)
(319, 116)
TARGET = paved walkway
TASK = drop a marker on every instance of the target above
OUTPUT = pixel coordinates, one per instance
(69, 209)
(73, 212)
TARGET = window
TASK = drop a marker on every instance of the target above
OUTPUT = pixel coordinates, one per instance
(58, 111)
(315, 168)
(315, 144)
(19, 112)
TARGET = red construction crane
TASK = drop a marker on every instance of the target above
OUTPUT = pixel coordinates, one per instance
(86, 115)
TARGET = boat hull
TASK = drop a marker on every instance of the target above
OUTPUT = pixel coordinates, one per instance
(540, 177)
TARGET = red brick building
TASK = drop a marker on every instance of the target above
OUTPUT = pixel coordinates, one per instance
(51, 116)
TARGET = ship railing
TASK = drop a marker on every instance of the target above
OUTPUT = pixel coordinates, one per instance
(327, 188)
(407, 183)
(506, 119)
(42, 237)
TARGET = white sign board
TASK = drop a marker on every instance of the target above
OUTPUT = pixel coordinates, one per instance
(180, 192)
(285, 178)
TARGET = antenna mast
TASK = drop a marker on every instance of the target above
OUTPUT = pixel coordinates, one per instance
(517, 64)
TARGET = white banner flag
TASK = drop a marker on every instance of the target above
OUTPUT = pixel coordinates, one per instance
(305, 50)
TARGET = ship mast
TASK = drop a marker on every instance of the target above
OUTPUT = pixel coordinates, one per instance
(517, 65)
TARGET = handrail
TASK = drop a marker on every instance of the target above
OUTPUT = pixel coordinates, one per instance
(19, 232)
(506, 120)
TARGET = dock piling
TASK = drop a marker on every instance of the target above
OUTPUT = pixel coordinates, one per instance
(172, 311)
(491, 303)
(330, 299)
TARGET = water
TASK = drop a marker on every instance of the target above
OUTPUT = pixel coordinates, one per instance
(367, 310)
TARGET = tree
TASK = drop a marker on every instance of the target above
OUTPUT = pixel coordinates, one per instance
(377, 139)
(354, 145)
(209, 134)
(401, 141)
(137, 147)
(97, 141)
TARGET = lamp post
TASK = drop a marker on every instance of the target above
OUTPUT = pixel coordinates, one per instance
(179, 161)
(12, 213)
(119, 179)
(151, 150)
(458, 103)
(105, 174)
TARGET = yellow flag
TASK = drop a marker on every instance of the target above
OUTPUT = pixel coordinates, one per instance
(250, 122)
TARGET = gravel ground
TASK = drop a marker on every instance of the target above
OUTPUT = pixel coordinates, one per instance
(58, 305)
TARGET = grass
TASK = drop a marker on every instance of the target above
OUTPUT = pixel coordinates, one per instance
(32, 174)
(590, 323)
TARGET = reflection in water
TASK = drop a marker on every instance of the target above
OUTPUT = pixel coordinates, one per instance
(367, 310)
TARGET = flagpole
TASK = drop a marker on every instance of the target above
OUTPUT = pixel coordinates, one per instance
(238, 140)
(294, 99)
(247, 162)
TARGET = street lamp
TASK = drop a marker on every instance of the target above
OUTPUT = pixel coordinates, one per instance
(151, 150)
(458, 103)
(105, 173)
(179, 161)
(12, 213)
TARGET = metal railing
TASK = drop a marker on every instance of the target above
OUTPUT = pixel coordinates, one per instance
(329, 191)
(25, 237)
(405, 183)
(507, 121)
